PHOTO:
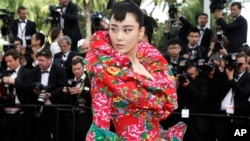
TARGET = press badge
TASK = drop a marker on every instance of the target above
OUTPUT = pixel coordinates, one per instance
(230, 109)
(185, 113)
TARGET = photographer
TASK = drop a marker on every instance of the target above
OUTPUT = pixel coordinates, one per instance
(69, 22)
(78, 94)
(22, 27)
(236, 31)
(232, 96)
(218, 45)
(17, 84)
(54, 76)
(193, 95)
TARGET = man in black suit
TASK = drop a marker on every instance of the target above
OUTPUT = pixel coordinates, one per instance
(22, 27)
(206, 34)
(192, 90)
(192, 50)
(65, 57)
(53, 78)
(173, 55)
(69, 22)
(232, 96)
(17, 82)
(78, 94)
(236, 31)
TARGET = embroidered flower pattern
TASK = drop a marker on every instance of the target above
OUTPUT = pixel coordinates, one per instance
(134, 102)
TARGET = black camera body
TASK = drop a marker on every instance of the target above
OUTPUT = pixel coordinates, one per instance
(54, 16)
(230, 61)
(205, 66)
(172, 12)
(71, 83)
(8, 47)
(7, 17)
(218, 46)
(183, 77)
(96, 18)
(217, 4)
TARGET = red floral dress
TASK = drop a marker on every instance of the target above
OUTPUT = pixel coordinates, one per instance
(134, 102)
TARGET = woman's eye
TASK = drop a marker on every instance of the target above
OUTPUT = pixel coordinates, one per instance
(127, 30)
(113, 29)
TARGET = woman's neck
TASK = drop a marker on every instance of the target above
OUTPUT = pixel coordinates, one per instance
(133, 59)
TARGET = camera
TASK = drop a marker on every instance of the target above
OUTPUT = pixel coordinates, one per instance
(183, 64)
(230, 61)
(96, 18)
(54, 16)
(217, 4)
(183, 77)
(172, 12)
(8, 47)
(206, 66)
(6, 92)
(219, 34)
(41, 90)
(80, 99)
(71, 83)
(218, 46)
(7, 17)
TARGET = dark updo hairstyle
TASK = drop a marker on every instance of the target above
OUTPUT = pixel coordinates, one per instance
(120, 9)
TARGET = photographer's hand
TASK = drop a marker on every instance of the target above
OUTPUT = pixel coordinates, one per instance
(8, 80)
(48, 95)
(65, 90)
(60, 13)
(218, 14)
(185, 84)
(230, 74)
(75, 90)
(223, 51)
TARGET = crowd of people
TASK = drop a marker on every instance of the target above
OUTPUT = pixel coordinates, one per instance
(120, 87)
(212, 76)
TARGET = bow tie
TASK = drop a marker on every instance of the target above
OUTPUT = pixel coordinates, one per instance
(79, 81)
(44, 71)
(11, 71)
(22, 21)
(201, 29)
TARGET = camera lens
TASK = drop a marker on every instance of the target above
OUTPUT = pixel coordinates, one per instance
(41, 97)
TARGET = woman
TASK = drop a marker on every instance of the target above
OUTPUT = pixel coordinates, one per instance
(55, 33)
(130, 83)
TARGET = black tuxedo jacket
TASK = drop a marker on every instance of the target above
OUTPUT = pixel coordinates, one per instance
(71, 27)
(23, 85)
(241, 89)
(206, 38)
(236, 32)
(194, 97)
(201, 52)
(72, 99)
(30, 29)
(57, 80)
(67, 63)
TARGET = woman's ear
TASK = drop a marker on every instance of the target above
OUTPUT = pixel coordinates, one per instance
(141, 33)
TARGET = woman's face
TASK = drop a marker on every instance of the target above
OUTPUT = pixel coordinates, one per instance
(125, 34)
